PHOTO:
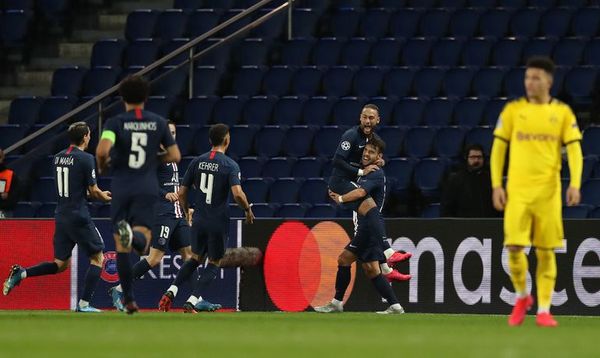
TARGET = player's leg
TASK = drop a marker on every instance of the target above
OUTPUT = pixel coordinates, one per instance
(342, 280)
(373, 272)
(517, 235)
(91, 243)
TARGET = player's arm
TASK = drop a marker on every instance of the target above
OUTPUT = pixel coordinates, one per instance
(183, 202)
(103, 150)
(240, 198)
(371, 182)
(502, 135)
(571, 137)
(171, 153)
(98, 194)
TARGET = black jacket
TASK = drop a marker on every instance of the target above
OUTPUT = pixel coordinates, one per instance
(468, 194)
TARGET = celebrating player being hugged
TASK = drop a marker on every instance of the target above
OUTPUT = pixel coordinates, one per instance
(137, 136)
(74, 173)
(365, 246)
(212, 176)
(536, 127)
(347, 169)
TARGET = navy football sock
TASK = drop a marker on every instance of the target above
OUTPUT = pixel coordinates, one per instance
(206, 277)
(91, 280)
(140, 268)
(44, 268)
(125, 275)
(186, 271)
(139, 241)
(342, 280)
(384, 289)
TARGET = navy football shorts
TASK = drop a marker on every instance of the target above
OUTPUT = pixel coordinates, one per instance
(68, 233)
(170, 233)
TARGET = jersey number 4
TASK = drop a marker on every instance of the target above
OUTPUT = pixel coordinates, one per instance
(137, 158)
(206, 186)
(62, 181)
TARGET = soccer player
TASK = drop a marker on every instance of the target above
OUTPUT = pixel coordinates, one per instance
(136, 136)
(74, 173)
(212, 176)
(364, 247)
(347, 169)
(170, 230)
(536, 127)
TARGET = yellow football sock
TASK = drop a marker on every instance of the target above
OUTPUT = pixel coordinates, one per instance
(545, 278)
(518, 265)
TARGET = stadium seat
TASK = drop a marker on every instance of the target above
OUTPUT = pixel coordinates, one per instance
(590, 163)
(46, 210)
(337, 81)
(307, 81)
(256, 189)
(576, 212)
(14, 26)
(285, 190)
(592, 53)
(477, 52)
(514, 83)
(250, 167)
(391, 4)
(25, 209)
(219, 56)
(219, 4)
(198, 110)
(248, 80)
(507, 52)
(288, 110)
(428, 82)
(418, 142)
(201, 21)
(314, 191)
(438, 112)
(591, 141)
(368, 81)
(560, 73)
(374, 23)
(263, 210)
(586, 22)
(297, 51)
(525, 22)
(11, 133)
(277, 167)
(393, 136)
(172, 82)
(494, 23)
(252, 52)
(590, 192)
(258, 110)
(317, 111)
(569, 51)
(398, 82)
(483, 136)
(344, 22)
(468, 112)
(305, 22)
(291, 210)
(206, 80)
(457, 82)
(434, 23)
(428, 174)
(488, 81)
(327, 51)
(386, 108)
(446, 52)
(228, 110)
(272, 28)
(140, 24)
(269, 141)
(448, 142)
(409, 112)
(98, 80)
(356, 52)
(322, 211)
(452, 4)
(580, 82)
(493, 109)
(298, 141)
(17, 5)
(67, 81)
(307, 167)
(54, 107)
(399, 173)
(277, 80)
(107, 52)
(386, 52)
(347, 111)
(555, 22)
(185, 137)
(24, 110)
(44, 190)
(464, 22)
(160, 105)
(431, 211)
(540, 46)
(416, 52)
(326, 141)
(404, 23)
(170, 24)
(230, 13)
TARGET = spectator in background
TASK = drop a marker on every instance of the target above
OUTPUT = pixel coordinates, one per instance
(9, 189)
(468, 191)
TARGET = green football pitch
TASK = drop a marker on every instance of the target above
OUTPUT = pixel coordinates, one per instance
(251, 334)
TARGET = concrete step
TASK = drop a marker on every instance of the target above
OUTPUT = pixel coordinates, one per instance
(125, 7)
(34, 78)
(9, 93)
(53, 63)
(4, 107)
(95, 35)
(75, 49)
(114, 22)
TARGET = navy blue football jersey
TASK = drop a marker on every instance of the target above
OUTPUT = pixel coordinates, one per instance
(134, 156)
(374, 184)
(74, 173)
(350, 149)
(168, 179)
(212, 175)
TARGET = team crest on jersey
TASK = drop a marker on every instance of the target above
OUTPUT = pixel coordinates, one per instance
(94, 173)
(346, 145)
(109, 267)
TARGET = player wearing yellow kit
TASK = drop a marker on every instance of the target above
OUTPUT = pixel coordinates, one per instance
(535, 128)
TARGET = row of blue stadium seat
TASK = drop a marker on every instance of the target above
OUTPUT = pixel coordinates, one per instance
(376, 23)
(337, 81)
(14, 26)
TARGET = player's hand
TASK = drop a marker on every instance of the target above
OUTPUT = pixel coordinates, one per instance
(370, 169)
(334, 196)
(4, 196)
(573, 196)
(380, 163)
(249, 216)
(172, 197)
(190, 215)
(106, 196)
(499, 198)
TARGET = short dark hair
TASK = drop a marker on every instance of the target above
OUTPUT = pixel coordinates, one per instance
(217, 134)
(543, 63)
(378, 143)
(77, 131)
(170, 122)
(474, 146)
(134, 89)
(372, 106)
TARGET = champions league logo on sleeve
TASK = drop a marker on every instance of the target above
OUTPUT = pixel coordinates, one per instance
(346, 145)
(109, 268)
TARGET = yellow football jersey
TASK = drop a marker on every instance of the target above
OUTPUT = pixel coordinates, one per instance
(536, 133)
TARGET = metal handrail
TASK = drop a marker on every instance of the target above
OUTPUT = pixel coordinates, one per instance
(158, 63)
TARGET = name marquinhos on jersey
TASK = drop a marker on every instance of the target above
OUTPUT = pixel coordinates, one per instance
(536, 137)
(140, 126)
(64, 161)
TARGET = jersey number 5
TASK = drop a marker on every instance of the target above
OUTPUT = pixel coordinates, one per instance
(206, 186)
(62, 181)
(137, 158)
